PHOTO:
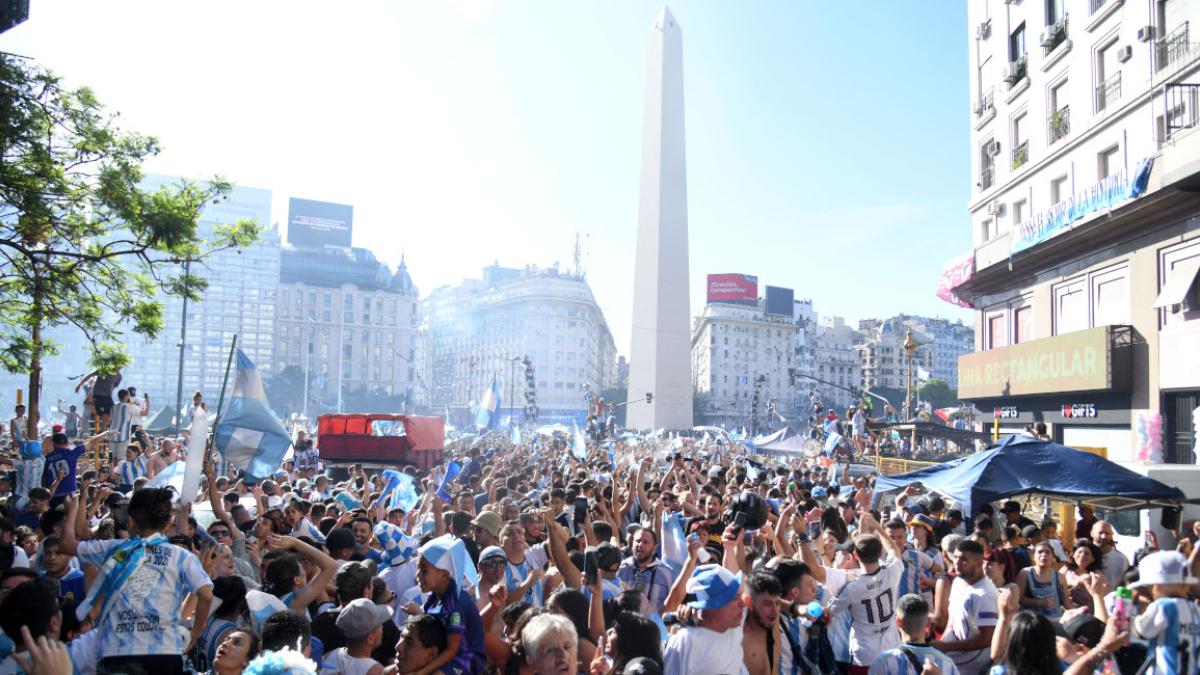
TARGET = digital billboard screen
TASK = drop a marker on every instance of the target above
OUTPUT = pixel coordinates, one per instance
(780, 300)
(313, 223)
(732, 288)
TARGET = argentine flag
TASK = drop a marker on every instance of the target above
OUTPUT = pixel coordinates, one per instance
(516, 435)
(579, 445)
(489, 407)
(674, 544)
(248, 435)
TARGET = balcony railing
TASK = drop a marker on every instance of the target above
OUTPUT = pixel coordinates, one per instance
(1172, 48)
(987, 176)
(1020, 155)
(1109, 92)
(1054, 36)
(986, 102)
(1097, 5)
(1060, 123)
(1016, 72)
(1182, 110)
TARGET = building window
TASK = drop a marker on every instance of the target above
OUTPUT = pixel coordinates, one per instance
(1109, 162)
(1070, 307)
(1022, 324)
(1054, 12)
(1060, 112)
(327, 299)
(987, 164)
(1110, 297)
(985, 231)
(997, 332)
(1108, 76)
(1016, 43)
(1019, 209)
(1058, 189)
(1020, 144)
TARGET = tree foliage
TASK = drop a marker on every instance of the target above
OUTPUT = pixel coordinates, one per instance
(81, 244)
(939, 394)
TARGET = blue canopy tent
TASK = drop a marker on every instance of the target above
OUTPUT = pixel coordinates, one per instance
(1023, 465)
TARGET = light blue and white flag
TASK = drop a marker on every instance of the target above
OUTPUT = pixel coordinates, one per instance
(832, 441)
(516, 435)
(398, 547)
(578, 445)
(674, 544)
(172, 475)
(248, 435)
(399, 491)
(452, 471)
(489, 407)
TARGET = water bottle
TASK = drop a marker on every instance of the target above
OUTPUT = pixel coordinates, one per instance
(672, 619)
(1121, 609)
(814, 610)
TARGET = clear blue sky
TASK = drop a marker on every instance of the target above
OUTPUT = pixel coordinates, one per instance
(827, 141)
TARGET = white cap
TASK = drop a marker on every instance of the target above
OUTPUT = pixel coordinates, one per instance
(1164, 567)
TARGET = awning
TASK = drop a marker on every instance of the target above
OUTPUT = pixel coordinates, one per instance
(1179, 282)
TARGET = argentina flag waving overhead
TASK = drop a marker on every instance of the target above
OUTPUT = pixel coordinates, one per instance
(248, 434)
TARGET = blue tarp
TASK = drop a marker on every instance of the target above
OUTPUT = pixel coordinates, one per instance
(1022, 465)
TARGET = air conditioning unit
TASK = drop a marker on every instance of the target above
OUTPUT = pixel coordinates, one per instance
(1014, 72)
(992, 148)
(1124, 54)
(1145, 34)
(984, 30)
(991, 208)
(1049, 35)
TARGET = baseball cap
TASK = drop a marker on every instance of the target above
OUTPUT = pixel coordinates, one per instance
(1163, 567)
(713, 586)
(492, 552)
(339, 538)
(1083, 629)
(1010, 506)
(490, 521)
(642, 666)
(351, 578)
(608, 557)
(362, 616)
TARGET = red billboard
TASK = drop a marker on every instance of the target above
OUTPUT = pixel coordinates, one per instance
(732, 288)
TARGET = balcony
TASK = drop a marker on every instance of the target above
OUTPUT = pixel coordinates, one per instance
(1060, 124)
(1172, 49)
(986, 103)
(1054, 36)
(1108, 92)
(987, 177)
(1181, 104)
(1016, 72)
(1020, 155)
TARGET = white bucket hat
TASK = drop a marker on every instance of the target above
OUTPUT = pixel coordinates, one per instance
(1164, 567)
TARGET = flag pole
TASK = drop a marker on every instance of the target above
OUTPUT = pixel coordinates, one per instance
(224, 383)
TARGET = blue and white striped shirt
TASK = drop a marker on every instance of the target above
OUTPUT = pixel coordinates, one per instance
(305, 528)
(131, 471)
(896, 662)
(144, 617)
(29, 475)
(122, 420)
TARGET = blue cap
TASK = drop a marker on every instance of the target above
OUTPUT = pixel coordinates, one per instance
(819, 492)
(714, 586)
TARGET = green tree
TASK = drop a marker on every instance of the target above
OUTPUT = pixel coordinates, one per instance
(80, 244)
(285, 391)
(938, 394)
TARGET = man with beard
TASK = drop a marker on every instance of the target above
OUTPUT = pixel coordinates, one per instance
(714, 644)
(361, 527)
(760, 636)
(644, 571)
(525, 568)
(421, 640)
(1115, 562)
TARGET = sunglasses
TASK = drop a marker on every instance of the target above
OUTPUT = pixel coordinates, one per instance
(218, 533)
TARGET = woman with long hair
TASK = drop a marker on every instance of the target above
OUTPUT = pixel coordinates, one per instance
(574, 605)
(1031, 649)
(230, 593)
(628, 637)
(285, 578)
(1085, 561)
(1044, 588)
(142, 583)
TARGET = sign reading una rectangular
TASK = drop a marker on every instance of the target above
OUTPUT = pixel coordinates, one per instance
(313, 223)
(1076, 361)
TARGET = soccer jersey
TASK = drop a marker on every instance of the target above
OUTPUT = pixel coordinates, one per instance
(143, 618)
(972, 606)
(1172, 628)
(62, 460)
(899, 662)
(122, 422)
(655, 580)
(305, 528)
(70, 586)
(839, 626)
(870, 600)
(29, 476)
(916, 565)
(515, 575)
(131, 471)
(458, 613)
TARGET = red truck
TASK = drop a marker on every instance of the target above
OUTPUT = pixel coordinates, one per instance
(381, 439)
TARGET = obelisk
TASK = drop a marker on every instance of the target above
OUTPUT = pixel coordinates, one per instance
(661, 346)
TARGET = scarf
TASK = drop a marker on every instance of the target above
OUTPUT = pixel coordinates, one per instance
(122, 562)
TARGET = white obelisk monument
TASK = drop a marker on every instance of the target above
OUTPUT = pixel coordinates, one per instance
(661, 348)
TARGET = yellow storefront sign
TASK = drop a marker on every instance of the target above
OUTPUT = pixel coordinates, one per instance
(1076, 361)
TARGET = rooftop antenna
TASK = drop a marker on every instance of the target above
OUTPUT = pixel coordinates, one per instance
(578, 256)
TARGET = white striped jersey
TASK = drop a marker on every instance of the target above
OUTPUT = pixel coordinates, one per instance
(1172, 628)
(29, 475)
(870, 600)
(122, 420)
(144, 618)
(916, 565)
(896, 662)
(305, 528)
(131, 471)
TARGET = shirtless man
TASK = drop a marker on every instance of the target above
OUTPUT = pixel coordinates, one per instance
(166, 456)
(761, 638)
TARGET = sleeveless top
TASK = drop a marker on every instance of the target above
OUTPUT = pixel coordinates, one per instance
(1040, 591)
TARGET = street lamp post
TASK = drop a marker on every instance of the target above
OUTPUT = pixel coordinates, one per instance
(187, 266)
(910, 348)
(307, 362)
(512, 387)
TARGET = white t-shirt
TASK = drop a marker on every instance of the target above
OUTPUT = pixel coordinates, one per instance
(143, 620)
(341, 662)
(694, 650)
(1115, 566)
(971, 606)
(399, 579)
(871, 601)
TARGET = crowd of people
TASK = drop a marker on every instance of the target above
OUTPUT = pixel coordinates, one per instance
(630, 555)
